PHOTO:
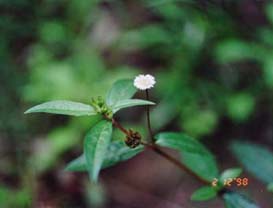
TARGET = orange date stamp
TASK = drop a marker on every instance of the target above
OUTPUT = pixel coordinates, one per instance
(231, 181)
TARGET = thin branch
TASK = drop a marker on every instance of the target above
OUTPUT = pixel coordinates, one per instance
(117, 124)
(173, 160)
(151, 138)
(157, 150)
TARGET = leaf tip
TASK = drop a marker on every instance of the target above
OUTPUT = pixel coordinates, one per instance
(28, 111)
(67, 168)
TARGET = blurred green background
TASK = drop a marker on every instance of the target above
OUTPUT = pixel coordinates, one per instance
(213, 62)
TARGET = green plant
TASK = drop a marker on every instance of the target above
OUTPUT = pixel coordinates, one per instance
(249, 154)
(101, 151)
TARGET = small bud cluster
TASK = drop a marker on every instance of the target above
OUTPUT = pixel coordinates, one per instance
(101, 107)
(133, 139)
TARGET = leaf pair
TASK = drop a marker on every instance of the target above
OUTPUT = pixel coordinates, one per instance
(117, 98)
(99, 152)
(210, 192)
(200, 160)
(232, 199)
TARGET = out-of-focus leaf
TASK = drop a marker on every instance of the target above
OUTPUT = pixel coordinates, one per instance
(53, 32)
(194, 155)
(15, 198)
(240, 106)
(234, 50)
(121, 90)
(117, 152)
(270, 187)
(96, 144)
(78, 164)
(78, 10)
(48, 151)
(166, 9)
(162, 114)
(145, 37)
(269, 11)
(236, 200)
(200, 122)
(230, 173)
(268, 71)
(266, 35)
(130, 103)
(204, 193)
(63, 107)
(255, 158)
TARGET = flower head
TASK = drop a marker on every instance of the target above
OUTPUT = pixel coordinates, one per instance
(144, 82)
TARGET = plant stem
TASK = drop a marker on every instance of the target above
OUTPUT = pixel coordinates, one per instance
(117, 124)
(173, 160)
(159, 151)
(151, 138)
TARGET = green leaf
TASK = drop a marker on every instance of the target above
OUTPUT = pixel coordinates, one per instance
(236, 200)
(240, 106)
(268, 71)
(269, 12)
(232, 50)
(63, 107)
(256, 159)
(145, 37)
(204, 165)
(130, 103)
(180, 142)
(121, 90)
(270, 187)
(78, 164)
(164, 112)
(230, 173)
(204, 193)
(194, 155)
(96, 144)
(117, 152)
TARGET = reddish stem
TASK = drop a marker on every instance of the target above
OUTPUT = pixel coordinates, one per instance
(157, 150)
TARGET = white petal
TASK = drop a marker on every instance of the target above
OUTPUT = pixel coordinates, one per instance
(144, 82)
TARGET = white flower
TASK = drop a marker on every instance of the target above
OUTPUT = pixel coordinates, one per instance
(144, 82)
